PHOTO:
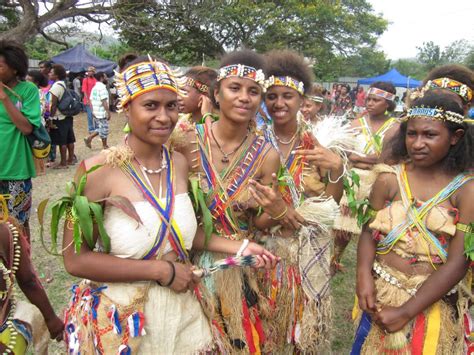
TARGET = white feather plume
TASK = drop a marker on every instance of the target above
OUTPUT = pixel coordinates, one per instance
(335, 133)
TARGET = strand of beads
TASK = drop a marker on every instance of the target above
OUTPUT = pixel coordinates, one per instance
(8, 276)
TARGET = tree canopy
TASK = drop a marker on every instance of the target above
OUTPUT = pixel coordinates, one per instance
(22, 20)
(185, 32)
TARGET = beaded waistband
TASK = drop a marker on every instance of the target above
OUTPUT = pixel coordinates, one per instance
(388, 277)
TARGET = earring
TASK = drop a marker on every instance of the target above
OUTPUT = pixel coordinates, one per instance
(127, 128)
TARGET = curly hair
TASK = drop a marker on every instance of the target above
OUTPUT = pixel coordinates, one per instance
(38, 78)
(245, 57)
(59, 71)
(124, 60)
(15, 57)
(453, 71)
(389, 87)
(460, 156)
(289, 63)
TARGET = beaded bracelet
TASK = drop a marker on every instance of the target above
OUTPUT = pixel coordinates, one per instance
(281, 215)
(173, 275)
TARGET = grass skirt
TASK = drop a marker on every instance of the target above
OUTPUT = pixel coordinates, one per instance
(419, 333)
(234, 304)
(140, 317)
(298, 288)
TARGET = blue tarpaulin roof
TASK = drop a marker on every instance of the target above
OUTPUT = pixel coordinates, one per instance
(78, 58)
(394, 77)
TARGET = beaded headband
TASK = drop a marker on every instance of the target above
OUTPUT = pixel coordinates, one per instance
(455, 86)
(287, 81)
(317, 99)
(434, 113)
(381, 93)
(242, 71)
(144, 77)
(199, 86)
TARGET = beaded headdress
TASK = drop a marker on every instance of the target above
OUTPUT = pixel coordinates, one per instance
(199, 86)
(381, 93)
(317, 99)
(287, 81)
(455, 86)
(144, 77)
(435, 114)
(242, 71)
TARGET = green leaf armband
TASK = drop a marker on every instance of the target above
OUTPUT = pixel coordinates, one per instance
(468, 230)
(78, 213)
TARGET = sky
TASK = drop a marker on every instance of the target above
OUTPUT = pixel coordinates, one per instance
(412, 22)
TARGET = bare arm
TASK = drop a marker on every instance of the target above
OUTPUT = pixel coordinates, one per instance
(31, 287)
(365, 288)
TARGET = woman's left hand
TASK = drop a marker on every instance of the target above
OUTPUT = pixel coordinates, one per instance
(265, 259)
(321, 157)
(269, 198)
(391, 319)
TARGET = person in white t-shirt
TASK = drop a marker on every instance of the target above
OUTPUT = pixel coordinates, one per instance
(60, 126)
(99, 99)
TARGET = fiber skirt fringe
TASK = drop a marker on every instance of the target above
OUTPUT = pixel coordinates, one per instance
(438, 330)
(234, 304)
(298, 288)
(297, 322)
(134, 318)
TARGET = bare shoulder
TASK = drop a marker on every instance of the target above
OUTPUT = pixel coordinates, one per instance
(97, 185)
(385, 186)
(465, 195)
(180, 162)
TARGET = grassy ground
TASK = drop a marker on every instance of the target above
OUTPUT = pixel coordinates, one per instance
(57, 282)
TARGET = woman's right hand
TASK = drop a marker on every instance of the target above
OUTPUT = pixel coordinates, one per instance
(184, 278)
(366, 293)
(270, 199)
(265, 259)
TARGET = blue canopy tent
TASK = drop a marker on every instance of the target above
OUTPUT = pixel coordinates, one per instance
(77, 59)
(394, 77)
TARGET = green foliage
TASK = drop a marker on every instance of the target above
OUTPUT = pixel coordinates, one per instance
(431, 55)
(410, 67)
(200, 207)
(9, 16)
(186, 32)
(42, 49)
(468, 239)
(359, 208)
(366, 62)
(77, 210)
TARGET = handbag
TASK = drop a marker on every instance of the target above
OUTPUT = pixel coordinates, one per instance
(40, 142)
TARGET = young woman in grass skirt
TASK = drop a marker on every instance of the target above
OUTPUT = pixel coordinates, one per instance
(224, 156)
(372, 128)
(136, 296)
(411, 257)
(310, 182)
